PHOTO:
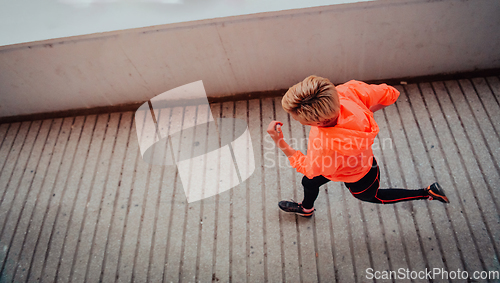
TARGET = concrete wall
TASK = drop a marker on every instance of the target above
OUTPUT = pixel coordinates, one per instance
(40, 20)
(266, 51)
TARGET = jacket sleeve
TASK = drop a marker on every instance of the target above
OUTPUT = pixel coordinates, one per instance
(320, 160)
(372, 95)
(317, 161)
(305, 164)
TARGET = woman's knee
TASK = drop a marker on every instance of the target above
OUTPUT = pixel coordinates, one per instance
(306, 182)
(315, 182)
(367, 197)
(310, 186)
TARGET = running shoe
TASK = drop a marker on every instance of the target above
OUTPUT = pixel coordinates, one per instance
(291, 206)
(436, 192)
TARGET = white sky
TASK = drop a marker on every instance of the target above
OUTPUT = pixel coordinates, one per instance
(33, 20)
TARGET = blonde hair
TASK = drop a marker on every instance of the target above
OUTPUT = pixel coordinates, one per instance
(314, 99)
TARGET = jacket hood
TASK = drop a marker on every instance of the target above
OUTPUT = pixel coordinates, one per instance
(354, 133)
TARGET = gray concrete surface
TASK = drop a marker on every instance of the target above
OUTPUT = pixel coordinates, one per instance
(78, 203)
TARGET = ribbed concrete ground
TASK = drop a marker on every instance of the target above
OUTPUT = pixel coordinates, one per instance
(78, 203)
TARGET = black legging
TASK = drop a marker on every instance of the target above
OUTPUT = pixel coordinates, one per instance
(366, 189)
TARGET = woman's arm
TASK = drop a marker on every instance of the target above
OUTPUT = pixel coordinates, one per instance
(375, 97)
(377, 107)
(274, 130)
(311, 165)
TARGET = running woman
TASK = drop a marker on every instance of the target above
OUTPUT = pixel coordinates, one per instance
(339, 147)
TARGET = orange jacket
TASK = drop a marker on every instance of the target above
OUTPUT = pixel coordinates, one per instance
(343, 153)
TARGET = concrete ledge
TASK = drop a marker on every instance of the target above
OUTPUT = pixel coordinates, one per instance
(237, 97)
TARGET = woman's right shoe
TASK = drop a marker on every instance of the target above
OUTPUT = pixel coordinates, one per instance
(436, 192)
(297, 208)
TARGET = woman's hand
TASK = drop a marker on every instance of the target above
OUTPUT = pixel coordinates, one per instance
(274, 130)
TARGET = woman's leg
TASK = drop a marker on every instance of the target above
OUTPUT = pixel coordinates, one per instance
(367, 189)
(311, 190)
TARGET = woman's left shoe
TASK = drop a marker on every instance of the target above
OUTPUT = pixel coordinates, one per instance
(297, 208)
